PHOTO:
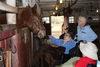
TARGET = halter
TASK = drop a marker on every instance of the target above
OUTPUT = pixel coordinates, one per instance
(33, 22)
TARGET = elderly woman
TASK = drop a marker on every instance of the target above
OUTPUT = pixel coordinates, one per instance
(84, 31)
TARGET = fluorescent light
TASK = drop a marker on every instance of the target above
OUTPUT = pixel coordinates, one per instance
(56, 8)
(97, 10)
(53, 13)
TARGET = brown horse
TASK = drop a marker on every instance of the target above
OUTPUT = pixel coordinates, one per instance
(47, 56)
(27, 17)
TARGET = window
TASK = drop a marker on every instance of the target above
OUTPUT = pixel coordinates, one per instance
(56, 25)
(45, 20)
(71, 19)
(96, 18)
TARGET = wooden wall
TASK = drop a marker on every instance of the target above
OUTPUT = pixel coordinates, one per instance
(3, 19)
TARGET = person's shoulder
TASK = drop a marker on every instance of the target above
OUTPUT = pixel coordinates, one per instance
(87, 26)
(78, 26)
(72, 40)
(60, 40)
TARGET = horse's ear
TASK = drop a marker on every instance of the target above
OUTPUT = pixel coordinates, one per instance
(34, 7)
(28, 6)
(34, 10)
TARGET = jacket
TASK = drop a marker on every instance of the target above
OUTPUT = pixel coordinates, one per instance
(85, 33)
(68, 45)
(84, 61)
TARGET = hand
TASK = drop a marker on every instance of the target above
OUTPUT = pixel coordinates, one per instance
(50, 36)
(84, 41)
(54, 45)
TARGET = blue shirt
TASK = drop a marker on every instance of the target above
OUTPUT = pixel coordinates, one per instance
(86, 33)
(68, 45)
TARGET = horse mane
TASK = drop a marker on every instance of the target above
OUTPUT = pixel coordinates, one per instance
(24, 17)
(34, 11)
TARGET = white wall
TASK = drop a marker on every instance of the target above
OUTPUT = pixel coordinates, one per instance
(11, 18)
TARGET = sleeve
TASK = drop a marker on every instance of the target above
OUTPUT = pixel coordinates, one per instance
(91, 34)
(72, 43)
(54, 40)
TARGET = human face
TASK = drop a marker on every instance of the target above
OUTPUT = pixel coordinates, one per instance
(82, 21)
(67, 37)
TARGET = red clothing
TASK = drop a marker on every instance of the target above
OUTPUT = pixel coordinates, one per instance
(84, 61)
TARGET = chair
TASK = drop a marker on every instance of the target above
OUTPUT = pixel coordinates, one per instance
(91, 65)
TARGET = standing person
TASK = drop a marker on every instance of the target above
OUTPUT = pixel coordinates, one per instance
(84, 31)
(64, 28)
(65, 25)
(67, 42)
(89, 52)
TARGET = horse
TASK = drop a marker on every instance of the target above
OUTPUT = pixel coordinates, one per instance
(27, 17)
(47, 56)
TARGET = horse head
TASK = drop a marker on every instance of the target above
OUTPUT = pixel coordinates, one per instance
(29, 18)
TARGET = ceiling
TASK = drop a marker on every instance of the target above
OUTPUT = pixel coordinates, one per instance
(49, 5)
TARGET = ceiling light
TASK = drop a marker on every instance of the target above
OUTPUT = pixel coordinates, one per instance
(56, 8)
(97, 10)
(53, 13)
(61, 1)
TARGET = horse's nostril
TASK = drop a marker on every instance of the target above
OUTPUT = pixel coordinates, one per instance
(41, 34)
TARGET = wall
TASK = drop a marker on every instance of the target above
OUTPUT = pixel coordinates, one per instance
(3, 19)
(11, 18)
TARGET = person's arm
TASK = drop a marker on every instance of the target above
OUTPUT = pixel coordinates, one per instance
(54, 40)
(54, 45)
(91, 34)
(72, 43)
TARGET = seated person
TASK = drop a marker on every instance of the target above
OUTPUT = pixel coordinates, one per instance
(67, 42)
(89, 59)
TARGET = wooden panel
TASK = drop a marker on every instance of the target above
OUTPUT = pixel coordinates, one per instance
(22, 40)
(17, 46)
(6, 34)
(3, 19)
